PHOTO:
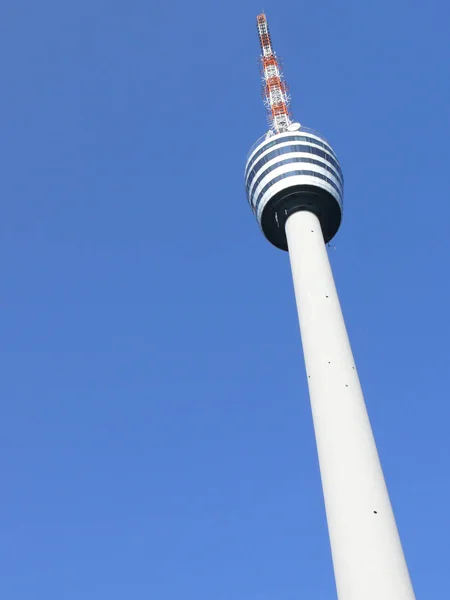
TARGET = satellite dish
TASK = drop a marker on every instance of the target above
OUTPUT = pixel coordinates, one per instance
(294, 126)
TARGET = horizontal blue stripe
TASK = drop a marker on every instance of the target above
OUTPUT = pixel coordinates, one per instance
(288, 138)
(291, 174)
(295, 159)
(290, 149)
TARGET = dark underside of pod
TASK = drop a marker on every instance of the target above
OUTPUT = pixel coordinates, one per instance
(296, 198)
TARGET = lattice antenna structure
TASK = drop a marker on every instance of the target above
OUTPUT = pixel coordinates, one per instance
(275, 91)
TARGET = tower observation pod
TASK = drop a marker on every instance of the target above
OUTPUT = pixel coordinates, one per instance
(295, 187)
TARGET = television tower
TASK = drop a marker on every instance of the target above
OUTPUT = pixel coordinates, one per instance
(294, 185)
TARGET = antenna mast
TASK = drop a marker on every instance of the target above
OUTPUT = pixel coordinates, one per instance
(275, 93)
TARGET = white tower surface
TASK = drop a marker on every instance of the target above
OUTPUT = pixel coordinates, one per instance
(294, 184)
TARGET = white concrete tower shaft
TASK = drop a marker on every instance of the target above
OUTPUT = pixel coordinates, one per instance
(368, 558)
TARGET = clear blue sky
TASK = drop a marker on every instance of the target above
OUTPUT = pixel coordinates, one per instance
(155, 429)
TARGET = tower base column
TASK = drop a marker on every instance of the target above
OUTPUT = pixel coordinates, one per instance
(368, 559)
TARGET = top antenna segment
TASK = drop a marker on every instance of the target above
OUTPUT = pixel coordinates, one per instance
(275, 92)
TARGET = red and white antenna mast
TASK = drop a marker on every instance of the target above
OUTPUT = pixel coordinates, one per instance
(274, 91)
